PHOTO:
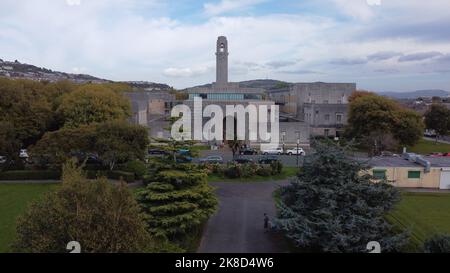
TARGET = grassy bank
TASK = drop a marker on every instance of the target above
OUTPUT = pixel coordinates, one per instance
(14, 200)
(424, 214)
(428, 147)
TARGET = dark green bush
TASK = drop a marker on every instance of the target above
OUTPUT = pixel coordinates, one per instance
(30, 175)
(114, 175)
(264, 171)
(233, 171)
(137, 167)
(277, 167)
(437, 244)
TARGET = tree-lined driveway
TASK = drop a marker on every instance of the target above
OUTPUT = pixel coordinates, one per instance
(237, 226)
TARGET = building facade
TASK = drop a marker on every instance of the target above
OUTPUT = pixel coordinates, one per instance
(323, 106)
(407, 174)
(225, 93)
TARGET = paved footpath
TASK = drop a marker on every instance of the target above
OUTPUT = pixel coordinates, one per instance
(237, 226)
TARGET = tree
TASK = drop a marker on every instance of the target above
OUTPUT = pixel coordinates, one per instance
(27, 106)
(120, 141)
(9, 142)
(358, 94)
(408, 128)
(111, 141)
(235, 146)
(335, 206)
(437, 118)
(374, 119)
(102, 217)
(177, 202)
(93, 103)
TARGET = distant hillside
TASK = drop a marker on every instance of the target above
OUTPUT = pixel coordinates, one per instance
(264, 84)
(148, 85)
(17, 70)
(416, 94)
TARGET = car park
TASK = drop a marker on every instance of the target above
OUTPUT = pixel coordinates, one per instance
(248, 151)
(272, 151)
(268, 159)
(212, 159)
(296, 151)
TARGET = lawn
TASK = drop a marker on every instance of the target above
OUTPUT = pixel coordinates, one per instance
(428, 147)
(287, 172)
(424, 214)
(14, 199)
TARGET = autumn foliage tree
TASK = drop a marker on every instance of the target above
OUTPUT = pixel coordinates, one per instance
(373, 119)
(100, 216)
(93, 103)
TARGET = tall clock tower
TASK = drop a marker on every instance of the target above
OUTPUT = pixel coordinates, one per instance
(222, 61)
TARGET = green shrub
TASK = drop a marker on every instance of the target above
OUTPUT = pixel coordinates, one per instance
(277, 167)
(437, 244)
(264, 171)
(176, 177)
(233, 171)
(248, 170)
(137, 167)
(114, 175)
(31, 175)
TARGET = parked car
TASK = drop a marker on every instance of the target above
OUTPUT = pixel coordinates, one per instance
(23, 153)
(268, 159)
(296, 151)
(429, 133)
(242, 160)
(156, 152)
(272, 151)
(2, 159)
(184, 159)
(446, 154)
(212, 159)
(248, 151)
(436, 154)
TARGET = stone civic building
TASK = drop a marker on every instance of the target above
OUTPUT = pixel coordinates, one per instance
(323, 106)
(150, 109)
(305, 108)
(225, 93)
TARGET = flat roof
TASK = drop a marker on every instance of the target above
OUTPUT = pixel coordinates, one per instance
(398, 161)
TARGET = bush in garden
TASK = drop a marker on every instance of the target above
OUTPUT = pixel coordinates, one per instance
(233, 171)
(437, 244)
(137, 167)
(248, 170)
(277, 167)
(264, 170)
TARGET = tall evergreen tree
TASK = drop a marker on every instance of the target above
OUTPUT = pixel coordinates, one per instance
(335, 206)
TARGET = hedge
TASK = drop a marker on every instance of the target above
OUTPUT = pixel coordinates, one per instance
(115, 175)
(30, 175)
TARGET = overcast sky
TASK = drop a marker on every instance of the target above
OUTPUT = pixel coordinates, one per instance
(382, 45)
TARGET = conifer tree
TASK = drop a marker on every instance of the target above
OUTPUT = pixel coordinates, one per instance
(335, 205)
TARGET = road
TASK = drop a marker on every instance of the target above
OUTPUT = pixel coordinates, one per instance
(237, 226)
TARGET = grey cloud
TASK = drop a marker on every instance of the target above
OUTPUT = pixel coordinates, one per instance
(280, 64)
(419, 56)
(301, 71)
(347, 61)
(383, 55)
